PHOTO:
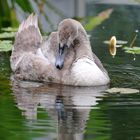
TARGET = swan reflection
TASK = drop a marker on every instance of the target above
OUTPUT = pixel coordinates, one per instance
(68, 107)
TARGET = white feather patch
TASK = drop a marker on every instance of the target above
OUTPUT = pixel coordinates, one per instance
(40, 54)
(86, 72)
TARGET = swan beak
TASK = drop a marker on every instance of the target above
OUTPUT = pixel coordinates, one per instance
(61, 56)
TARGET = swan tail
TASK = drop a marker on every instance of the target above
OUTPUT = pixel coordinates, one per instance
(27, 40)
(28, 36)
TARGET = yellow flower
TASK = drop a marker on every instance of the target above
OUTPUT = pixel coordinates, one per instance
(112, 46)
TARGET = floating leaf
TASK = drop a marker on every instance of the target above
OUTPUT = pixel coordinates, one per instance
(9, 29)
(122, 90)
(5, 45)
(7, 35)
(122, 42)
(106, 42)
(134, 50)
(95, 21)
(6, 41)
(119, 43)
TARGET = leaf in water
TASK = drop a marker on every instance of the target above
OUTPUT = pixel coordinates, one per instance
(106, 42)
(134, 50)
(122, 42)
(119, 43)
(95, 21)
(7, 35)
(5, 45)
(9, 29)
(122, 90)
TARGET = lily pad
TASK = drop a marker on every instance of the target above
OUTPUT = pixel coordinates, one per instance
(122, 90)
(119, 43)
(5, 45)
(10, 29)
(7, 35)
(132, 50)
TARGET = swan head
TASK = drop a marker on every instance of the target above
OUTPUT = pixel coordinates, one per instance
(67, 33)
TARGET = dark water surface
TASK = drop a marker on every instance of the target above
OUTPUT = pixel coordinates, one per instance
(32, 111)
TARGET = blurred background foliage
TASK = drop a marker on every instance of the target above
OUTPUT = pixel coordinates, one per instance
(12, 12)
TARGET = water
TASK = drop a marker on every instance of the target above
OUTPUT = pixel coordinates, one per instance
(33, 111)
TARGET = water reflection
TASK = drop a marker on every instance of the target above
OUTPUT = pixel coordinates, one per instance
(68, 108)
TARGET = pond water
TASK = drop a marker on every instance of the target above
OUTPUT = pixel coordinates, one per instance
(33, 111)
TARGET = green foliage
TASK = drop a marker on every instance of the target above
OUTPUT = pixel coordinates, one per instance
(133, 50)
(7, 35)
(5, 45)
(24, 5)
(9, 29)
(97, 20)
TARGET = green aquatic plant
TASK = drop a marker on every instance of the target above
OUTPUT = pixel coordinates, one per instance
(6, 35)
(134, 50)
(5, 45)
(9, 29)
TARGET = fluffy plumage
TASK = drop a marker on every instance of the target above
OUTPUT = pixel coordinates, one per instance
(65, 57)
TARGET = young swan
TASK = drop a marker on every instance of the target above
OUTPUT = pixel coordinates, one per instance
(65, 57)
(86, 69)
